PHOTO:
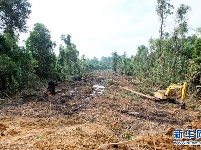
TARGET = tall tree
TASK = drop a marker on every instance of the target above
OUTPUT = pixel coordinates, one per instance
(66, 39)
(83, 64)
(68, 59)
(179, 42)
(181, 21)
(4, 45)
(39, 43)
(163, 9)
(14, 15)
(198, 31)
(197, 51)
(141, 61)
(114, 61)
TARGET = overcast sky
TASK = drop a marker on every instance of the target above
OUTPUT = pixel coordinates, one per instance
(100, 27)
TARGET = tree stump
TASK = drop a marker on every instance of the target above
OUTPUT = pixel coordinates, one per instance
(51, 87)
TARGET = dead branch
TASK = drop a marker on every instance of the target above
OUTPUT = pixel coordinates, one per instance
(103, 146)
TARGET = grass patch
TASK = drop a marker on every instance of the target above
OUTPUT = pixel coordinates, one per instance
(132, 96)
(110, 82)
(127, 136)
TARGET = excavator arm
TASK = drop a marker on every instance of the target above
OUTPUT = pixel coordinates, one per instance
(170, 90)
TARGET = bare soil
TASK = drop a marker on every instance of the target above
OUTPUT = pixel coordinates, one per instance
(79, 117)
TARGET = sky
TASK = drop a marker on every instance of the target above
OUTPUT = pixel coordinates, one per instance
(100, 27)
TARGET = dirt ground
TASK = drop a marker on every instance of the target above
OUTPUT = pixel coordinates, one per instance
(80, 116)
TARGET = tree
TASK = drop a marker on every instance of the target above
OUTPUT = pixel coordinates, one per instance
(124, 62)
(83, 64)
(17, 71)
(198, 31)
(141, 66)
(40, 45)
(66, 39)
(5, 48)
(8, 71)
(194, 70)
(95, 64)
(163, 9)
(114, 61)
(14, 15)
(178, 45)
(181, 19)
(68, 61)
(197, 51)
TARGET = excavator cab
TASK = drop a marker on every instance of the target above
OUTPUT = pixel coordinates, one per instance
(174, 91)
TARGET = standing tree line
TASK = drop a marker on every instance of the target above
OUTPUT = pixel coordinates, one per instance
(24, 67)
(172, 58)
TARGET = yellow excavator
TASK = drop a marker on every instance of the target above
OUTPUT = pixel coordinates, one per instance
(174, 91)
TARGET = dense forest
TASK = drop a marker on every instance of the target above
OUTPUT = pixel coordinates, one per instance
(173, 57)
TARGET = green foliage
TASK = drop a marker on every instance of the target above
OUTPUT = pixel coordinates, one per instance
(69, 65)
(114, 61)
(16, 64)
(122, 64)
(8, 73)
(4, 45)
(40, 46)
(95, 64)
(83, 64)
(110, 82)
(26, 77)
(198, 31)
(17, 72)
(40, 137)
(171, 58)
(197, 51)
(128, 136)
(23, 68)
(141, 63)
(181, 19)
(163, 9)
(13, 15)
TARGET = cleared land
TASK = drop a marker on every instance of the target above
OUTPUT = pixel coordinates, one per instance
(80, 117)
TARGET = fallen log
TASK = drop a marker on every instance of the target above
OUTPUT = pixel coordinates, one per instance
(139, 94)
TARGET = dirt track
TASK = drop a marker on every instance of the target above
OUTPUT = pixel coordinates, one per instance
(76, 119)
